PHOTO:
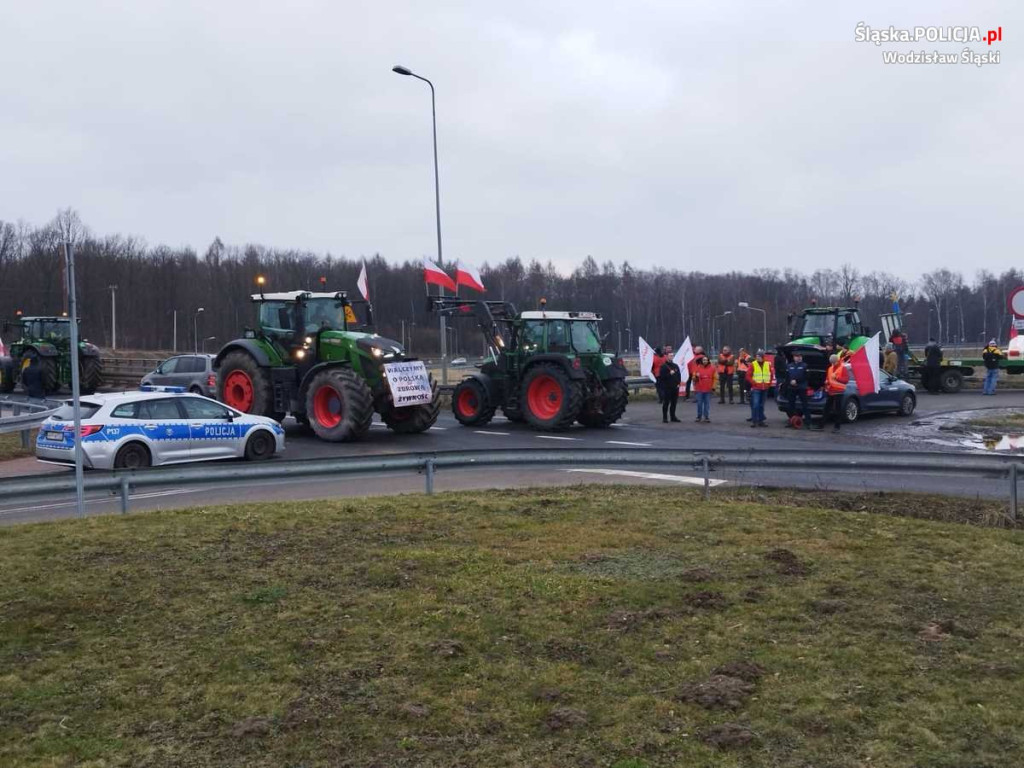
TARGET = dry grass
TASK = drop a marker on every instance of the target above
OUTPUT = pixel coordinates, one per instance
(601, 626)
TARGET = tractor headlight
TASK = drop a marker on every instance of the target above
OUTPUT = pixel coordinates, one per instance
(300, 354)
(377, 352)
(309, 340)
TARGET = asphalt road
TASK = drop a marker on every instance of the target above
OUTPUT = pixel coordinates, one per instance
(640, 428)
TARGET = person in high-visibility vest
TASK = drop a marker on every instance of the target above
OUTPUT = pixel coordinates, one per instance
(760, 377)
(742, 366)
(726, 369)
(836, 379)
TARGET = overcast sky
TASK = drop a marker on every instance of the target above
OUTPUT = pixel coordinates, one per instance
(710, 136)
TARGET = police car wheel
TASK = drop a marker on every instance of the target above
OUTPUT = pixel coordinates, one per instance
(259, 446)
(133, 456)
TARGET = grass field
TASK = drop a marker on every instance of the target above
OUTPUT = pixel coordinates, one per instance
(10, 446)
(597, 626)
(1006, 421)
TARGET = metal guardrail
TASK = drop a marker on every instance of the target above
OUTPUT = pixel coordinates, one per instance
(1007, 468)
(25, 417)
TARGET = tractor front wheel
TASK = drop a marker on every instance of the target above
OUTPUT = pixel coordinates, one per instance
(51, 377)
(471, 404)
(90, 374)
(244, 386)
(339, 405)
(7, 376)
(414, 418)
(550, 399)
(606, 408)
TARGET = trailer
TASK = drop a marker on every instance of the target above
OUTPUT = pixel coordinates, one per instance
(953, 370)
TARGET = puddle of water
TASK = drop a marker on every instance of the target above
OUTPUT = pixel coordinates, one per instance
(995, 442)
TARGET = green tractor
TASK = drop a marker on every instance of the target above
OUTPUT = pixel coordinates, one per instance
(49, 340)
(816, 326)
(306, 358)
(553, 371)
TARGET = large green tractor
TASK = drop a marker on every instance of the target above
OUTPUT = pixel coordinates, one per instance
(49, 340)
(552, 372)
(819, 325)
(306, 358)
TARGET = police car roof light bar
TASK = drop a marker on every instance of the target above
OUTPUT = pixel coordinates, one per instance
(158, 388)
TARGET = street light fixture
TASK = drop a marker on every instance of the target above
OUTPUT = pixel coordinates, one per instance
(746, 305)
(195, 330)
(400, 70)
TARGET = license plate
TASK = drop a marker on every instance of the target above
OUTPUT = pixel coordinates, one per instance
(57, 437)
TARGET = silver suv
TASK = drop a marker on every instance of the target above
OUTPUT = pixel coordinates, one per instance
(193, 372)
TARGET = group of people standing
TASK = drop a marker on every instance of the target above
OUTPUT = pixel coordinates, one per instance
(754, 376)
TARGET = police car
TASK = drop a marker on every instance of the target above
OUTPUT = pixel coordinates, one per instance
(156, 425)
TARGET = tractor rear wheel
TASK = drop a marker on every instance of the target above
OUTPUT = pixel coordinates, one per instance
(414, 418)
(471, 404)
(51, 379)
(339, 405)
(90, 374)
(608, 407)
(551, 400)
(244, 386)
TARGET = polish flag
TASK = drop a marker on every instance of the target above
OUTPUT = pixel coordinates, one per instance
(434, 275)
(468, 276)
(362, 284)
(864, 363)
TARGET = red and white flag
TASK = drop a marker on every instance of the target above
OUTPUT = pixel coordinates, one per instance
(864, 363)
(469, 277)
(646, 359)
(362, 284)
(434, 275)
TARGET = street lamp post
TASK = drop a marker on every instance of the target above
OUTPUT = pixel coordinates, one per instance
(400, 70)
(208, 338)
(715, 340)
(764, 315)
(113, 316)
(195, 330)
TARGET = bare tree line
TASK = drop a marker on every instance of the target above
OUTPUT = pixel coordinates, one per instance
(663, 305)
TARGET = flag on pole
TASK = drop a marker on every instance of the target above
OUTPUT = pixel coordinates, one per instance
(864, 363)
(646, 359)
(684, 355)
(362, 284)
(434, 275)
(468, 276)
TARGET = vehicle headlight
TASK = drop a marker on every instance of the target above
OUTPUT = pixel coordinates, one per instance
(377, 352)
(300, 354)
(309, 340)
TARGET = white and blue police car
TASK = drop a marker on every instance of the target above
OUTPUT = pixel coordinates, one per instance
(156, 425)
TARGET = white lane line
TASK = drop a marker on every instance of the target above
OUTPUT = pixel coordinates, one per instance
(108, 499)
(439, 429)
(485, 432)
(650, 476)
(379, 424)
(626, 442)
(555, 437)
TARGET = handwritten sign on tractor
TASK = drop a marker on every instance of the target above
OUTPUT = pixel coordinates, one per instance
(409, 383)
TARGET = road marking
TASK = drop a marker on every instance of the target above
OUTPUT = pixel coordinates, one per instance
(484, 432)
(555, 437)
(625, 442)
(379, 424)
(439, 429)
(650, 476)
(110, 499)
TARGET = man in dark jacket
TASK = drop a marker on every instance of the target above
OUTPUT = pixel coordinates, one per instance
(668, 386)
(32, 379)
(796, 387)
(931, 376)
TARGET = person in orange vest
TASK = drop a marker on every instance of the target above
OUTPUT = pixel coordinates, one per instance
(697, 352)
(742, 366)
(704, 385)
(760, 377)
(659, 359)
(726, 370)
(836, 379)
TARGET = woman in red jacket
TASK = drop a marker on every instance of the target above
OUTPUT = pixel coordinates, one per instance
(703, 385)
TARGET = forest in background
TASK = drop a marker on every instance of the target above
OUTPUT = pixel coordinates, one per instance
(661, 304)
